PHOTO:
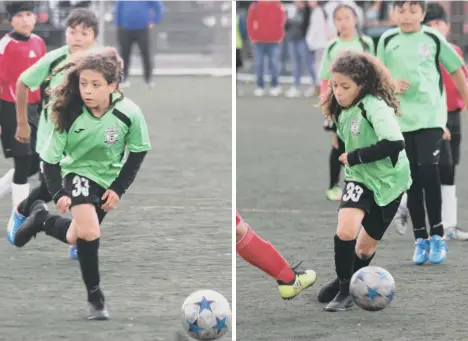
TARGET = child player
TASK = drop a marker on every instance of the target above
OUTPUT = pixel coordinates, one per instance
(349, 38)
(264, 256)
(364, 108)
(81, 33)
(19, 50)
(436, 17)
(412, 52)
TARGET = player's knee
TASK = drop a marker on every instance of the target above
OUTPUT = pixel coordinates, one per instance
(365, 251)
(87, 233)
(346, 232)
(86, 222)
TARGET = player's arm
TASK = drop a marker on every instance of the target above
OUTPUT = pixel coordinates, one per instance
(388, 132)
(324, 74)
(51, 156)
(31, 79)
(138, 144)
(452, 62)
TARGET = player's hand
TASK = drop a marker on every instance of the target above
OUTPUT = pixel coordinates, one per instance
(447, 136)
(23, 132)
(344, 159)
(63, 205)
(111, 200)
(401, 86)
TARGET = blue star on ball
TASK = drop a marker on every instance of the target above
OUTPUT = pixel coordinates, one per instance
(221, 324)
(193, 327)
(204, 304)
(372, 293)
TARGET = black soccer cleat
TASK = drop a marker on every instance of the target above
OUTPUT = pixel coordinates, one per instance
(32, 226)
(342, 302)
(328, 292)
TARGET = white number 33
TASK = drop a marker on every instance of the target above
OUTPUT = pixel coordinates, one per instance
(81, 186)
(353, 192)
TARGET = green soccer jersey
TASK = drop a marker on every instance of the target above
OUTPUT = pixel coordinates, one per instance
(40, 75)
(415, 57)
(386, 180)
(364, 44)
(94, 147)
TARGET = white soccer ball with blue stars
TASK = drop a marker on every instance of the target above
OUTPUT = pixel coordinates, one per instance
(206, 315)
(372, 288)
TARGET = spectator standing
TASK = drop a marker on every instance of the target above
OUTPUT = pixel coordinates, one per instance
(134, 20)
(265, 27)
(316, 39)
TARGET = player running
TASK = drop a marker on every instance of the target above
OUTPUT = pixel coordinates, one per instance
(436, 17)
(363, 106)
(412, 53)
(349, 38)
(19, 50)
(81, 34)
(95, 124)
(264, 256)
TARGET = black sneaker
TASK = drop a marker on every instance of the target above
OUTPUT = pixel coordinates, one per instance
(328, 292)
(342, 302)
(32, 226)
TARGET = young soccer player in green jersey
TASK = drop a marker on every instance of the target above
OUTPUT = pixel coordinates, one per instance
(94, 124)
(81, 33)
(412, 52)
(363, 106)
(349, 38)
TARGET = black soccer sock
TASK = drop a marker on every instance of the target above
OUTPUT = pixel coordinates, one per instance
(430, 180)
(89, 264)
(360, 263)
(335, 167)
(416, 205)
(57, 227)
(344, 258)
(437, 230)
(38, 193)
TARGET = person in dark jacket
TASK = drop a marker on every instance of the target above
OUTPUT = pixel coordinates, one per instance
(134, 20)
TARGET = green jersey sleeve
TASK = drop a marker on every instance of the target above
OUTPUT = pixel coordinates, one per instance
(383, 119)
(54, 147)
(449, 58)
(36, 74)
(138, 137)
(325, 64)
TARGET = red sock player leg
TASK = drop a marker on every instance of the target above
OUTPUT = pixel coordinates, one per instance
(263, 255)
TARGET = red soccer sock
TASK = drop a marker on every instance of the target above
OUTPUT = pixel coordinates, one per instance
(264, 256)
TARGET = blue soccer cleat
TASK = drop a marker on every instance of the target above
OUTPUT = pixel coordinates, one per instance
(15, 222)
(421, 253)
(72, 252)
(439, 248)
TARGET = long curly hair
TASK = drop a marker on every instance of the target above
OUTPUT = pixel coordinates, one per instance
(67, 104)
(368, 73)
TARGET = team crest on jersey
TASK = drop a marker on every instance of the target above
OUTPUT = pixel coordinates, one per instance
(424, 50)
(356, 126)
(112, 135)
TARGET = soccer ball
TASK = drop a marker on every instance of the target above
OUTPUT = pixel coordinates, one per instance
(372, 288)
(206, 315)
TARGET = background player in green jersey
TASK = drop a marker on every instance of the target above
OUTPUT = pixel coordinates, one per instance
(349, 38)
(94, 126)
(81, 34)
(412, 53)
(363, 106)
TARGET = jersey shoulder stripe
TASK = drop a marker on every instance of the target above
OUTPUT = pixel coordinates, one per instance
(4, 43)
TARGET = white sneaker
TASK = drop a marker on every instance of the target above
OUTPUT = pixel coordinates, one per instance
(259, 92)
(455, 233)
(293, 92)
(276, 91)
(310, 92)
(401, 220)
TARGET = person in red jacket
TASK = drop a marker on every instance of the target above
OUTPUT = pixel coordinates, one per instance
(19, 50)
(436, 17)
(265, 27)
